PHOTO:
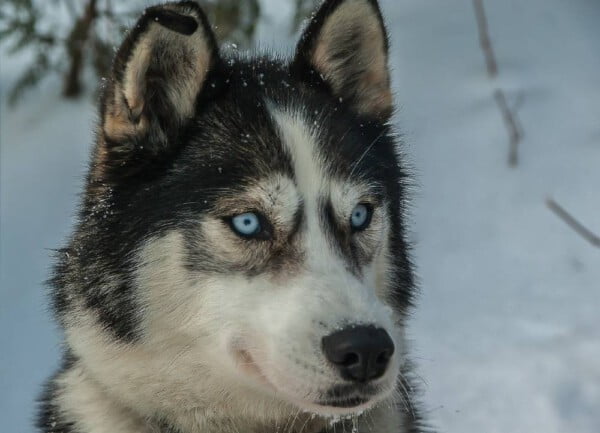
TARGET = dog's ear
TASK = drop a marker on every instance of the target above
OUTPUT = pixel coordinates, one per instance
(157, 76)
(346, 44)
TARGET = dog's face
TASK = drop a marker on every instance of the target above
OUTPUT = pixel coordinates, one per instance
(251, 212)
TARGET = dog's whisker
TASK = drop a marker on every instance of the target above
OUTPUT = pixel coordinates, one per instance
(308, 419)
(406, 394)
(369, 147)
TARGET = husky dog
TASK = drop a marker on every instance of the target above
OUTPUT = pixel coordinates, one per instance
(239, 262)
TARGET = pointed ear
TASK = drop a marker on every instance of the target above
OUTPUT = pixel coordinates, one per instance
(346, 44)
(158, 73)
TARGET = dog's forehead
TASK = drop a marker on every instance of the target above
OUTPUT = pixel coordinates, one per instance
(269, 124)
(305, 139)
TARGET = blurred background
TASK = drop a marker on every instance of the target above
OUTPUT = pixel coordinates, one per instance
(499, 109)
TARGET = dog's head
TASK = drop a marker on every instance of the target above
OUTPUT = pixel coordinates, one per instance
(242, 226)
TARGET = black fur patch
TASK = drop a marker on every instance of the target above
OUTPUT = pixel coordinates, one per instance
(49, 417)
(173, 21)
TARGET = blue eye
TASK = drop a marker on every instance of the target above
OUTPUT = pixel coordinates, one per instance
(361, 217)
(246, 224)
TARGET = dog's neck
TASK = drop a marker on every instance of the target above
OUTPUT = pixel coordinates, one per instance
(82, 402)
(382, 419)
(191, 423)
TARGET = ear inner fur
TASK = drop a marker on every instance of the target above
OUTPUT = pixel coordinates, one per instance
(153, 94)
(346, 44)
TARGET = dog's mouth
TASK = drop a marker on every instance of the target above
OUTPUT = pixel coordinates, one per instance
(352, 402)
(337, 400)
(348, 396)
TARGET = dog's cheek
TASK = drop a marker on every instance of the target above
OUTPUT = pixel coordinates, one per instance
(380, 269)
(172, 298)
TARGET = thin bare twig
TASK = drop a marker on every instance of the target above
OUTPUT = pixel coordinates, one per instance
(570, 220)
(514, 132)
(484, 39)
(519, 100)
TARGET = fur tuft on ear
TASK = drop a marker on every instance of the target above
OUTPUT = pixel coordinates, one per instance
(158, 73)
(346, 44)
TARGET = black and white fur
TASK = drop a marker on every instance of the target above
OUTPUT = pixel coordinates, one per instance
(175, 323)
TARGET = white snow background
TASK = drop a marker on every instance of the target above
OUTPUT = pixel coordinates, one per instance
(506, 333)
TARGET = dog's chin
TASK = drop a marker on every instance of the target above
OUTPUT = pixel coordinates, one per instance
(332, 403)
(348, 404)
(340, 408)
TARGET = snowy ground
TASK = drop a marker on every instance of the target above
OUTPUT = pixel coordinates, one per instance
(507, 329)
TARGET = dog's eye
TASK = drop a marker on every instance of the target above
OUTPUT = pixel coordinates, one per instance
(246, 224)
(361, 217)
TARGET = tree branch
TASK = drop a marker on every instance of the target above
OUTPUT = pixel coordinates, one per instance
(570, 220)
(514, 132)
(484, 39)
(75, 49)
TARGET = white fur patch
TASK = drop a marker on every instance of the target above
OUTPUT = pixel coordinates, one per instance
(84, 403)
(300, 142)
(312, 180)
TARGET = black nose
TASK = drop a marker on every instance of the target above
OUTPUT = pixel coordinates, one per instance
(360, 353)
